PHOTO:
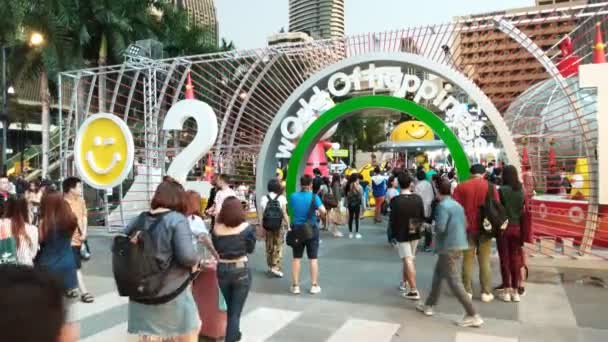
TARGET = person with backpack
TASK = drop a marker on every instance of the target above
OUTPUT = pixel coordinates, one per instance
(15, 226)
(406, 218)
(57, 226)
(472, 195)
(354, 201)
(160, 246)
(379, 187)
(451, 240)
(274, 220)
(72, 193)
(234, 238)
(510, 240)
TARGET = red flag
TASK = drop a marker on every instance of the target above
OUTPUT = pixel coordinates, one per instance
(569, 62)
(599, 55)
(552, 160)
(189, 88)
(525, 159)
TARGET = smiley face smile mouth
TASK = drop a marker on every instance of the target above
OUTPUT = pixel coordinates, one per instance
(102, 171)
(417, 134)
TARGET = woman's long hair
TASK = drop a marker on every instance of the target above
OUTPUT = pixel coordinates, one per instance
(353, 179)
(56, 214)
(511, 178)
(17, 212)
(193, 203)
(335, 179)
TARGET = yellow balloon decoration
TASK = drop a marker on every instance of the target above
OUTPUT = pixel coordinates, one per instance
(580, 178)
(412, 131)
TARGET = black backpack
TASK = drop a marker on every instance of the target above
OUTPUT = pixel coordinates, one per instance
(138, 273)
(272, 220)
(492, 215)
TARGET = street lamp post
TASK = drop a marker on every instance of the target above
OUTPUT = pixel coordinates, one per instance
(4, 115)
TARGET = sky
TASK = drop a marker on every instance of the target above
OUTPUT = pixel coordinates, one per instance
(248, 23)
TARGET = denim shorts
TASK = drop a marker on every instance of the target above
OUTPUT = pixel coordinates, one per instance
(311, 246)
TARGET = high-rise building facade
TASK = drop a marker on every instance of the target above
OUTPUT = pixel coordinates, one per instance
(498, 64)
(202, 13)
(320, 19)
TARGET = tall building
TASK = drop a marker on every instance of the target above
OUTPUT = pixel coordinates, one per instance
(496, 62)
(202, 13)
(320, 19)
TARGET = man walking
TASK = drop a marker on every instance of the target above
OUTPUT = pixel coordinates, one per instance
(379, 187)
(451, 240)
(304, 204)
(407, 215)
(224, 191)
(471, 195)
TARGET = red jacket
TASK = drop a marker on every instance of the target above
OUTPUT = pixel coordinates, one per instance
(471, 195)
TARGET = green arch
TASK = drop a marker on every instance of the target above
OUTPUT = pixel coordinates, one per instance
(349, 107)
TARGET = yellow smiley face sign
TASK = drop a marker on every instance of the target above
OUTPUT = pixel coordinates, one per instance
(104, 151)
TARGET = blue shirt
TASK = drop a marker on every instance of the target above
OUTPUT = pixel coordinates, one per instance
(450, 227)
(299, 202)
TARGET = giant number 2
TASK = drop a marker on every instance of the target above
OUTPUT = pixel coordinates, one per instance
(204, 139)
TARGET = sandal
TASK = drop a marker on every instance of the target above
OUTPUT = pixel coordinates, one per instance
(71, 294)
(87, 298)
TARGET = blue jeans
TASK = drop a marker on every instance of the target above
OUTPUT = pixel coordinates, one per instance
(235, 282)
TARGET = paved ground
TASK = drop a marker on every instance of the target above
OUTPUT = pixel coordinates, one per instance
(360, 302)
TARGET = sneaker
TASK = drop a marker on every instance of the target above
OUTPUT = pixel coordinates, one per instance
(470, 295)
(505, 296)
(412, 295)
(487, 297)
(338, 234)
(521, 291)
(427, 310)
(499, 289)
(471, 321)
(515, 297)
(276, 273)
(402, 287)
(358, 236)
(350, 235)
(315, 289)
(295, 289)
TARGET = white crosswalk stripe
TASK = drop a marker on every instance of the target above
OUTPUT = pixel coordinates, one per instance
(364, 330)
(260, 324)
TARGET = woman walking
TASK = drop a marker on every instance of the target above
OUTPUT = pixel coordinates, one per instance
(233, 238)
(57, 226)
(177, 319)
(335, 213)
(510, 240)
(16, 224)
(354, 200)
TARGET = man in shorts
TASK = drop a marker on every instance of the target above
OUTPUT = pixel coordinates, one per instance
(304, 205)
(406, 218)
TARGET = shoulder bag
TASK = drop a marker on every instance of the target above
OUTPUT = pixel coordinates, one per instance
(302, 232)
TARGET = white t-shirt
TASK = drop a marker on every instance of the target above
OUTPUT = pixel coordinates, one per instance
(198, 227)
(282, 200)
(220, 196)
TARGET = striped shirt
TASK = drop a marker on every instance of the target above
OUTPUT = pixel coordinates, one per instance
(27, 250)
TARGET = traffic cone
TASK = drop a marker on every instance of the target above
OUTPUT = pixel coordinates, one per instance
(189, 88)
(599, 55)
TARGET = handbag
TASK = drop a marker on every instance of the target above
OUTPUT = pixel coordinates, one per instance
(302, 232)
(492, 215)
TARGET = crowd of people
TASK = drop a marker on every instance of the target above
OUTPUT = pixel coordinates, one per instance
(49, 230)
(430, 207)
